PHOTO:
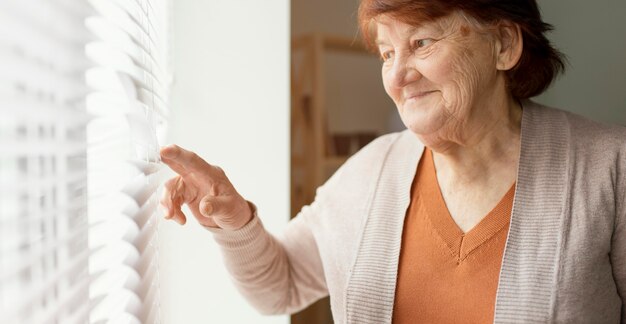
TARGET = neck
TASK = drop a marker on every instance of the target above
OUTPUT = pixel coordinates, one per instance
(485, 150)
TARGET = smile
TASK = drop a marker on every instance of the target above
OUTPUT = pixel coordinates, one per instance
(419, 95)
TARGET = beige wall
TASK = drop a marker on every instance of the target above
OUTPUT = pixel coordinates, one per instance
(593, 35)
(325, 16)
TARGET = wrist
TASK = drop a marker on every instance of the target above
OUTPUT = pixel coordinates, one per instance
(249, 214)
(241, 220)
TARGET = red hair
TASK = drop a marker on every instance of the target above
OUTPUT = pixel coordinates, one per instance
(539, 63)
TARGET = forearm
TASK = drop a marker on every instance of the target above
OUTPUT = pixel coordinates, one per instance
(276, 276)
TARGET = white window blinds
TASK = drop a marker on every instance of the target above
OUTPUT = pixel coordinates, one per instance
(128, 102)
(79, 167)
(43, 228)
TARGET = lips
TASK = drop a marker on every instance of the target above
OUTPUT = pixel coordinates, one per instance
(418, 95)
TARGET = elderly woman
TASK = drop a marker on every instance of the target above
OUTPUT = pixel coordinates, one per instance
(488, 208)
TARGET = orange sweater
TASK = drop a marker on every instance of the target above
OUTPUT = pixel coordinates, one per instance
(445, 275)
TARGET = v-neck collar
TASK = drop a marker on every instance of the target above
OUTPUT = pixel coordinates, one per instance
(527, 277)
(459, 242)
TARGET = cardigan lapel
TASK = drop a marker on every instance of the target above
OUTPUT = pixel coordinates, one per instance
(371, 288)
(529, 267)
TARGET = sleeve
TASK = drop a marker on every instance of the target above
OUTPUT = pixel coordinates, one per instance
(276, 275)
(618, 248)
(284, 274)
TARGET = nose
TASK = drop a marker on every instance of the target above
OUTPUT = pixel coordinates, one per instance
(403, 72)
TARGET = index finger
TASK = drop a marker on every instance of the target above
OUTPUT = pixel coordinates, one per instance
(182, 161)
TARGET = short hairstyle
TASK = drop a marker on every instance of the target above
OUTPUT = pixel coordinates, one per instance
(540, 62)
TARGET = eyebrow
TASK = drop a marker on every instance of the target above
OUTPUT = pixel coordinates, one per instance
(411, 31)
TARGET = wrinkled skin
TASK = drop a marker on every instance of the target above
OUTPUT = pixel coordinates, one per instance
(211, 197)
(444, 77)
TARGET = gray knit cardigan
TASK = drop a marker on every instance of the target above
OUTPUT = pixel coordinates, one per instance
(565, 256)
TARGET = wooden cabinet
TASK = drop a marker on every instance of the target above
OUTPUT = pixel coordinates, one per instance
(312, 152)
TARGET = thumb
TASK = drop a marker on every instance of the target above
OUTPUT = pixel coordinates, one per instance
(227, 211)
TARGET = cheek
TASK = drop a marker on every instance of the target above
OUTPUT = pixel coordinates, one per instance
(466, 75)
(463, 77)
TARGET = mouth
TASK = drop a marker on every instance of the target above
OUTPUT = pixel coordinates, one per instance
(419, 95)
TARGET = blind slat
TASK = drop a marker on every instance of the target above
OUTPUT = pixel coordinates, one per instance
(20, 305)
(33, 110)
(122, 20)
(26, 184)
(128, 103)
(38, 79)
(116, 304)
(121, 41)
(142, 15)
(73, 303)
(119, 83)
(41, 248)
(36, 148)
(108, 56)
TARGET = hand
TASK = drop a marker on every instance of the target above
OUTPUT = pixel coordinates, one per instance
(205, 189)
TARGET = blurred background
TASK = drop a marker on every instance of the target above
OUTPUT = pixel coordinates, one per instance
(277, 93)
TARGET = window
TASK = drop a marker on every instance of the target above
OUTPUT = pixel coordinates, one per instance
(79, 168)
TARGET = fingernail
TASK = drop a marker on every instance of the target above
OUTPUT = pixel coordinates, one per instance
(163, 209)
(168, 151)
(208, 208)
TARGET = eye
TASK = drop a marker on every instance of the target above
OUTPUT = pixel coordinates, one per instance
(421, 43)
(386, 56)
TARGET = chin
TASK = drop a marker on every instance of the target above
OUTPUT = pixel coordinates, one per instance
(423, 122)
(429, 128)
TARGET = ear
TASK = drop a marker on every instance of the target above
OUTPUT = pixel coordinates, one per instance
(509, 45)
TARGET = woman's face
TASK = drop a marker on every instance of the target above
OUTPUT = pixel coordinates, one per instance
(438, 74)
